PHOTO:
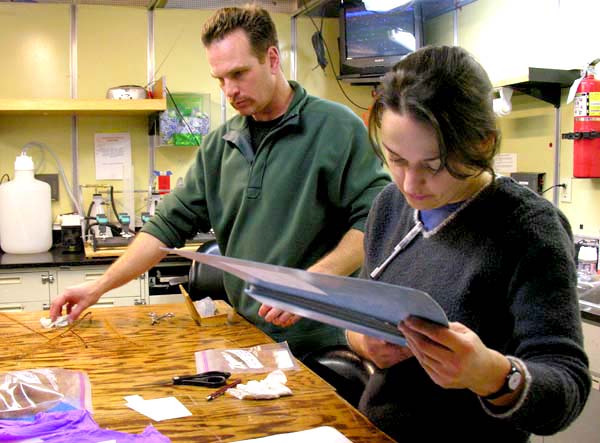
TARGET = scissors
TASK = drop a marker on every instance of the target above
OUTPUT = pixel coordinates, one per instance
(211, 379)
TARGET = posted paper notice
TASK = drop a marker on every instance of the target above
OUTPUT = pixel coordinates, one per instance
(112, 155)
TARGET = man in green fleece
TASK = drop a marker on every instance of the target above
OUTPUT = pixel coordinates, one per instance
(289, 181)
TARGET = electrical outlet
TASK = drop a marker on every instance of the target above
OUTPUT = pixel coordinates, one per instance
(566, 192)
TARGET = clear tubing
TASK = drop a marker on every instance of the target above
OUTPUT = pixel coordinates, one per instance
(61, 171)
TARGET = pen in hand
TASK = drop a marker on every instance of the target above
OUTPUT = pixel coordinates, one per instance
(222, 390)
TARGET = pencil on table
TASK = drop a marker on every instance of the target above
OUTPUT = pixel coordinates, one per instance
(222, 390)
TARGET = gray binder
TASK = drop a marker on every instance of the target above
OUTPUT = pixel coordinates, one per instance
(369, 307)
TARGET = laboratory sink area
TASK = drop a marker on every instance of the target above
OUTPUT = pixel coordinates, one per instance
(589, 300)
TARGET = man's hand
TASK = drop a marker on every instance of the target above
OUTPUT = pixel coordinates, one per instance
(277, 316)
(76, 299)
(344, 259)
(380, 352)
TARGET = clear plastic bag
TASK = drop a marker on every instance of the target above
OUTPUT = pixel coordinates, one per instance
(262, 358)
(28, 392)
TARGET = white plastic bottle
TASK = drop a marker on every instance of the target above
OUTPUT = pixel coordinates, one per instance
(587, 260)
(25, 211)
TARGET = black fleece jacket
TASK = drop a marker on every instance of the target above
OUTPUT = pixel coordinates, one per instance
(503, 265)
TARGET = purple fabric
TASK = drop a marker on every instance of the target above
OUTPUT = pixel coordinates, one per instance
(71, 426)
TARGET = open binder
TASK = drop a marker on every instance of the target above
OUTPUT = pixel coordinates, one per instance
(366, 306)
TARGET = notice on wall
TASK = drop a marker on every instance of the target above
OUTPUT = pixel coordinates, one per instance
(112, 155)
(505, 163)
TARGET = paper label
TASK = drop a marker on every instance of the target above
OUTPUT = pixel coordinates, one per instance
(246, 357)
(283, 359)
(580, 106)
(594, 104)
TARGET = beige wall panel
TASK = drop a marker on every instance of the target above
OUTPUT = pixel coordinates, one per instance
(529, 132)
(112, 45)
(577, 40)
(136, 127)
(180, 55)
(35, 51)
(54, 132)
(508, 37)
(180, 58)
(439, 30)
(111, 48)
(176, 159)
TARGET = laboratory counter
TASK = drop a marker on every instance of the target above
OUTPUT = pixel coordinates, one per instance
(59, 257)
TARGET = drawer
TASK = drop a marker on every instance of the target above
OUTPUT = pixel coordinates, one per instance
(76, 275)
(21, 287)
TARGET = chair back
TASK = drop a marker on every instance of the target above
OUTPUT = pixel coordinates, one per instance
(204, 280)
(342, 368)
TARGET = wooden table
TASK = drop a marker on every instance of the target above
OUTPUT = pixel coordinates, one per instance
(120, 350)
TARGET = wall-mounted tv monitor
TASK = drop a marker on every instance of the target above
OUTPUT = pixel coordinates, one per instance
(372, 42)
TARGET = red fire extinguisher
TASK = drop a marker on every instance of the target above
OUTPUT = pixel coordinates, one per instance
(586, 135)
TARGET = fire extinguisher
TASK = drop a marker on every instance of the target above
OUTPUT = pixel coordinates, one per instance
(586, 127)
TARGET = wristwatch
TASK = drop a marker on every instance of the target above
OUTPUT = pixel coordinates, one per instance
(512, 382)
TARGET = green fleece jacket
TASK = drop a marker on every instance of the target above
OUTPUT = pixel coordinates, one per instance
(287, 202)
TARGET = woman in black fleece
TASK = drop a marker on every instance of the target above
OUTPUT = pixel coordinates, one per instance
(497, 257)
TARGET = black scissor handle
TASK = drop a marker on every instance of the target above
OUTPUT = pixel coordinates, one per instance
(212, 379)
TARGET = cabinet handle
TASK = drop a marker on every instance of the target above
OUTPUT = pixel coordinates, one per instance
(48, 279)
(12, 308)
(139, 301)
(95, 276)
(104, 303)
(10, 280)
(46, 307)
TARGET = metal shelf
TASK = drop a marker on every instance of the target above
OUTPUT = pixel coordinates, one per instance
(543, 84)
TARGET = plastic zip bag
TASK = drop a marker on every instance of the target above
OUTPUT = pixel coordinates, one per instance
(262, 358)
(28, 392)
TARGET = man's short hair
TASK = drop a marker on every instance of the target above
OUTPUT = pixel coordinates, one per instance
(253, 20)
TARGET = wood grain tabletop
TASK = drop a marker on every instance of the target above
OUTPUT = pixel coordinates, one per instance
(124, 354)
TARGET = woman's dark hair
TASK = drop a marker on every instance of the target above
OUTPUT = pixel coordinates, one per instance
(253, 20)
(447, 89)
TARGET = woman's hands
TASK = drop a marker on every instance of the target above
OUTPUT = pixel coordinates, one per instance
(455, 357)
